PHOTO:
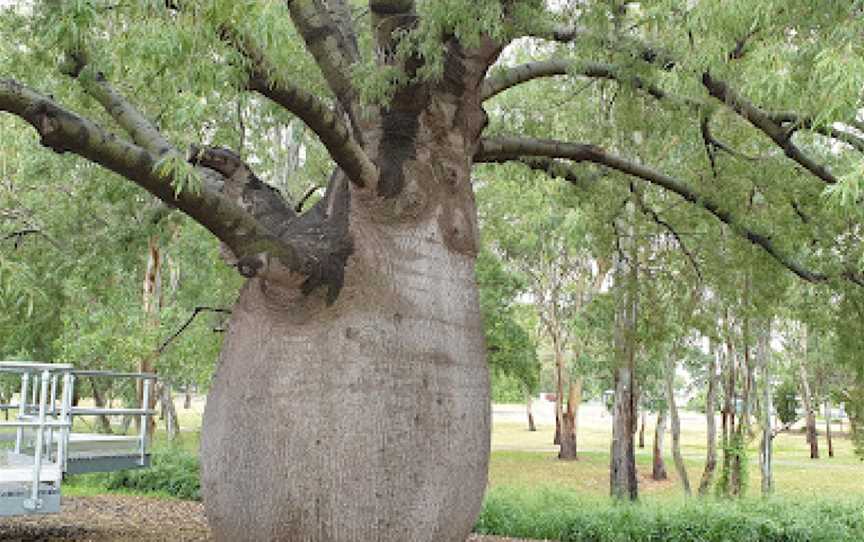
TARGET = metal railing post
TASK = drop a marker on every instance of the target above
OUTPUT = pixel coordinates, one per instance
(22, 407)
(35, 502)
(33, 388)
(52, 411)
(145, 400)
(65, 403)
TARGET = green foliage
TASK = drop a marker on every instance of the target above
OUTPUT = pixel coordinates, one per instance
(734, 467)
(512, 353)
(174, 472)
(786, 400)
(564, 515)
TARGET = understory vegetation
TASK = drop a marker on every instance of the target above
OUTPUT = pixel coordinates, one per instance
(566, 516)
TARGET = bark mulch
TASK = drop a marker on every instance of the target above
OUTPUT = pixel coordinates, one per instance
(120, 518)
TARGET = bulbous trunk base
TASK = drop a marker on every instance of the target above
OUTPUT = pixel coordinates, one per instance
(367, 420)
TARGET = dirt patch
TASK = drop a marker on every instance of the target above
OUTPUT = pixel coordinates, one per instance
(118, 518)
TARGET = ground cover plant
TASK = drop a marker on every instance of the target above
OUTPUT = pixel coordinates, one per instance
(567, 516)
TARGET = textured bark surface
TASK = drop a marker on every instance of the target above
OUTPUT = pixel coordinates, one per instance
(359, 421)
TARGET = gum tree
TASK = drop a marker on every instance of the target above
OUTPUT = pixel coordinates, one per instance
(351, 397)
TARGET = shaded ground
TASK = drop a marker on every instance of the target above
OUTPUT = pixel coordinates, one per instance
(120, 518)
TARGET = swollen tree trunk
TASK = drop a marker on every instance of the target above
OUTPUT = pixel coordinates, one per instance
(711, 421)
(351, 397)
(658, 472)
(680, 468)
(359, 410)
(529, 401)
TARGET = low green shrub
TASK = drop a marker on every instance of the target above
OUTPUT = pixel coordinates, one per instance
(173, 472)
(564, 516)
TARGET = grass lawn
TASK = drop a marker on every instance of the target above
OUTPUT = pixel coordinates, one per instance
(521, 459)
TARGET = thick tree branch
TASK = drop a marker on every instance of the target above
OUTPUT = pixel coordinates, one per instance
(761, 120)
(64, 131)
(140, 129)
(327, 125)
(506, 149)
(507, 78)
(326, 44)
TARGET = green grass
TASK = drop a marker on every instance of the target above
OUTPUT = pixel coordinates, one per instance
(528, 459)
(569, 516)
(534, 495)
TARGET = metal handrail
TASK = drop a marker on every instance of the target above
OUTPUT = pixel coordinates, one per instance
(38, 410)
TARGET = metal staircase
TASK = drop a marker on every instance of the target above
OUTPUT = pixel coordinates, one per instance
(43, 447)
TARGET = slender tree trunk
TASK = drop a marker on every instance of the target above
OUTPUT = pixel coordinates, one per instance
(529, 401)
(166, 399)
(710, 418)
(559, 387)
(766, 449)
(643, 420)
(568, 449)
(152, 302)
(104, 422)
(658, 472)
(680, 467)
(187, 397)
(828, 436)
(812, 437)
(738, 452)
(623, 481)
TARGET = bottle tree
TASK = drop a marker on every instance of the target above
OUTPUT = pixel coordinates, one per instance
(351, 397)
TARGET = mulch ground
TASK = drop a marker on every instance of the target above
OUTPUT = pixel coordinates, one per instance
(118, 518)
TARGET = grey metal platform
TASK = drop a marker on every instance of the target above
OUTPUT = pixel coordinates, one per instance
(43, 449)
